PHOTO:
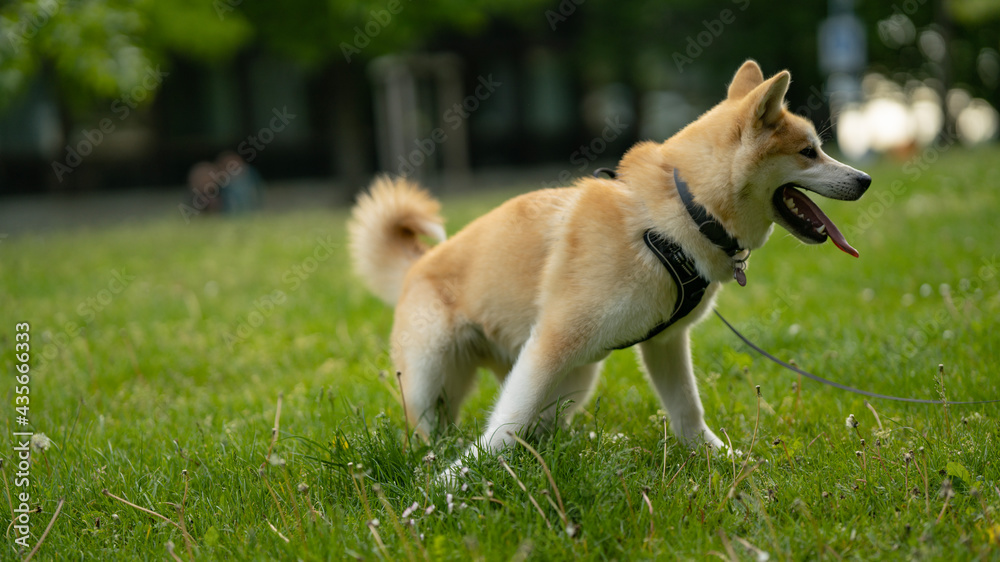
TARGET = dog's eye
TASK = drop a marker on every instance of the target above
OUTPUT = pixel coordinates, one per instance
(808, 152)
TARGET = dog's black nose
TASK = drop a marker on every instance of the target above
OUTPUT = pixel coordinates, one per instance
(864, 180)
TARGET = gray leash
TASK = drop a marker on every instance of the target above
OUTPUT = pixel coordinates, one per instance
(819, 379)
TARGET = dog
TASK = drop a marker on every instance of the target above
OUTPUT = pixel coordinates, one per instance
(541, 289)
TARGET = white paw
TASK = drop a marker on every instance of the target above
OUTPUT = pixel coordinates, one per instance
(449, 477)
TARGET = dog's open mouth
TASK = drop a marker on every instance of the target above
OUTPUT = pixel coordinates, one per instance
(806, 219)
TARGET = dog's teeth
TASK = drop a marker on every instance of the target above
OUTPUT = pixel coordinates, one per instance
(821, 229)
(789, 203)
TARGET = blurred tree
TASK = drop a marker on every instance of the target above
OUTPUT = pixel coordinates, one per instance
(101, 49)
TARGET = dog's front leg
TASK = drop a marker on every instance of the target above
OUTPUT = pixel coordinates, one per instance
(544, 361)
(668, 362)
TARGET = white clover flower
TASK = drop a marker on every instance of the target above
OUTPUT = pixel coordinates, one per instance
(409, 511)
(850, 422)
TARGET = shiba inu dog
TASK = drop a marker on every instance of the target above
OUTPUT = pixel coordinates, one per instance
(542, 288)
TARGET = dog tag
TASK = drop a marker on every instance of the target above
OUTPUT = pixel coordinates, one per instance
(740, 277)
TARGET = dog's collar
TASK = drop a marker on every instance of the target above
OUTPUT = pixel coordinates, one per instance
(712, 229)
(708, 225)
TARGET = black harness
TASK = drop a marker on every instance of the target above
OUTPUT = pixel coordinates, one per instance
(691, 286)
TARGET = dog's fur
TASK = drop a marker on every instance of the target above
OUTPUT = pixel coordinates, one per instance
(541, 288)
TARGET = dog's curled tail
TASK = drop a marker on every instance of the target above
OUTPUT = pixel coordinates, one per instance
(384, 232)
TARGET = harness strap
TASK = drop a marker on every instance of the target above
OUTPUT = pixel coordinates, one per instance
(691, 286)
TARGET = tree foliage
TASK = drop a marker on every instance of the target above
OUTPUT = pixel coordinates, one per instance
(99, 49)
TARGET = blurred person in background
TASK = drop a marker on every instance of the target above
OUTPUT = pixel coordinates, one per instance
(229, 185)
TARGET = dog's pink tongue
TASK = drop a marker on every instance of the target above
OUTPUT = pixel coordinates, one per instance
(831, 229)
(834, 233)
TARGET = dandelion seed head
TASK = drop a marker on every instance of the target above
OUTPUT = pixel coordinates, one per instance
(947, 490)
(40, 442)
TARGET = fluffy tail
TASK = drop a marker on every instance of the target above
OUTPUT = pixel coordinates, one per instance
(385, 231)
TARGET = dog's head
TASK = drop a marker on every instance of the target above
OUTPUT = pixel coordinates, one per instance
(769, 156)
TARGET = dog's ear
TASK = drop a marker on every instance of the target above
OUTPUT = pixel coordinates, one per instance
(748, 77)
(767, 100)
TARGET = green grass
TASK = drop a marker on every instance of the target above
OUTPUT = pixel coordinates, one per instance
(181, 370)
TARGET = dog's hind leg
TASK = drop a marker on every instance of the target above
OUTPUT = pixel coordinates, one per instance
(434, 385)
(668, 364)
(436, 371)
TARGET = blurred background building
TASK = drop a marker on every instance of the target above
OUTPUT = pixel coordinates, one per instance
(113, 94)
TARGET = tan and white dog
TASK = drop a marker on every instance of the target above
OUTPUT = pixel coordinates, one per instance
(542, 288)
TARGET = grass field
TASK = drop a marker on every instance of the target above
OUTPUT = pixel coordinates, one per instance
(160, 353)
